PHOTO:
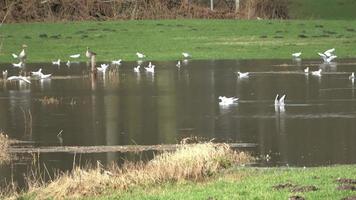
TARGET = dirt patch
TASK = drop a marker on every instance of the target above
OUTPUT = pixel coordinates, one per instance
(296, 197)
(346, 181)
(346, 187)
(283, 186)
(346, 184)
(349, 198)
(295, 188)
(307, 188)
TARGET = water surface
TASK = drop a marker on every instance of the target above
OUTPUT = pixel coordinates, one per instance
(124, 107)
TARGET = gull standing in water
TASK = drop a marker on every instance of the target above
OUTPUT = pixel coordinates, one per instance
(225, 101)
(352, 78)
(150, 68)
(58, 62)
(178, 64)
(20, 64)
(306, 70)
(44, 76)
(68, 63)
(18, 78)
(37, 73)
(103, 68)
(316, 73)
(279, 103)
(242, 74)
(60, 137)
(116, 62)
(4, 74)
(137, 69)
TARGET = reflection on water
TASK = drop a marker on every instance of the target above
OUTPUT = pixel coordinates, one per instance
(315, 127)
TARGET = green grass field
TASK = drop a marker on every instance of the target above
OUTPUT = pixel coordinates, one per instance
(166, 39)
(322, 9)
(252, 183)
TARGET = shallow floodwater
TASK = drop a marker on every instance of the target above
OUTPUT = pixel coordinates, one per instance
(317, 127)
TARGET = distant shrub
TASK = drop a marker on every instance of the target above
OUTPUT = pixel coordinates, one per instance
(67, 10)
(267, 9)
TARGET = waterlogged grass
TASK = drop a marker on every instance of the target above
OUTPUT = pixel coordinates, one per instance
(167, 39)
(253, 183)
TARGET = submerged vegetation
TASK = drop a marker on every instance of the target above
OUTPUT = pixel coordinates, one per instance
(4, 148)
(189, 162)
(49, 100)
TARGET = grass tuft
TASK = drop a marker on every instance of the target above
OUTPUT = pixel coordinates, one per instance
(4, 148)
(49, 100)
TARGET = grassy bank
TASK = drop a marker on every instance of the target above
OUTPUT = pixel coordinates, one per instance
(198, 171)
(257, 183)
(166, 39)
(334, 182)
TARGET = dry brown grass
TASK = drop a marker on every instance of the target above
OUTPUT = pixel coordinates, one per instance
(49, 100)
(4, 148)
(189, 162)
(266, 9)
(59, 10)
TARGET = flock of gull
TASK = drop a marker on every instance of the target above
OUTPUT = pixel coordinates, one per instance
(89, 54)
(328, 56)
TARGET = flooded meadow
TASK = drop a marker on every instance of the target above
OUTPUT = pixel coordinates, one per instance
(122, 107)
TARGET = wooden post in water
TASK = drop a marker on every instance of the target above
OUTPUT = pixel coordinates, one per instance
(93, 68)
(92, 62)
(237, 5)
